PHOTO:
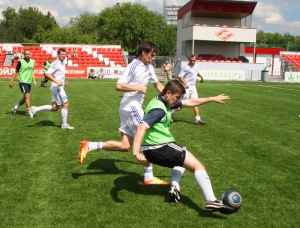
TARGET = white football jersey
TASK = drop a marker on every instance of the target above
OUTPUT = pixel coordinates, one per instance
(136, 74)
(189, 74)
(58, 70)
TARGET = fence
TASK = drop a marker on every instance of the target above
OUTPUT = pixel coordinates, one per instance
(158, 61)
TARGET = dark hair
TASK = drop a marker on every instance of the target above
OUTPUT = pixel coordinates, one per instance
(175, 86)
(192, 56)
(146, 46)
(61, 50)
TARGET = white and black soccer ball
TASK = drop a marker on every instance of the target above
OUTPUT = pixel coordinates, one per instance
(232, 199)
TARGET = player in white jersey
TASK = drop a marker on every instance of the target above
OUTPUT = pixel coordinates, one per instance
(133, 83)
(188, 77)
(56, 73)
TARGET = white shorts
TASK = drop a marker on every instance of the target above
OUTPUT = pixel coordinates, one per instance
(191, 92)
(130, 120)
(59, 95)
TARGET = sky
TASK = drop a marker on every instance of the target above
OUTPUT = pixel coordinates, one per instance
(281, 16)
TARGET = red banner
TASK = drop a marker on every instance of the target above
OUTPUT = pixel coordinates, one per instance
(72, 72)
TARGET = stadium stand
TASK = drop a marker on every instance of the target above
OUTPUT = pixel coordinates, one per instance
(292, 59)
(216, 58)
(103, 56)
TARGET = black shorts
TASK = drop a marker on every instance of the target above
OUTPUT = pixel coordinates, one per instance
(169, 155)
(24, 87)
(46, 79)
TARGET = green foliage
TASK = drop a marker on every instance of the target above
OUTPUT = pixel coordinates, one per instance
(8, 26)
(276, 40)
(63, 35)
(22, 26)
(130, 24)
(86, 23)
(167, 41)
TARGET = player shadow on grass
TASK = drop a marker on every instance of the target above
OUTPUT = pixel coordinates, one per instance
(44, 123)
(132, 182)
(20, 113)
(107, 166)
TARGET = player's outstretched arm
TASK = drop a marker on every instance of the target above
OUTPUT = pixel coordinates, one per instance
(200, 101)
(137, 142)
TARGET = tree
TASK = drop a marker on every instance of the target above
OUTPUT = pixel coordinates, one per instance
(167, 41)
(86, 23)
(21, 26)
(30, 18)
(128, 25)
(8, 26)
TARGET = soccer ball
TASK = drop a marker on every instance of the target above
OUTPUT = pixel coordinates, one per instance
(232, 199)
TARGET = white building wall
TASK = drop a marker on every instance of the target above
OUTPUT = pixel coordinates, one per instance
(266, 60)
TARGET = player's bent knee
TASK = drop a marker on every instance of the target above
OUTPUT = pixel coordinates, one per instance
(126, 149)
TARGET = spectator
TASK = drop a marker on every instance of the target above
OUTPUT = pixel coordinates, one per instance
(75, 54)
(92, 74)
(101, 74)
(167, 70)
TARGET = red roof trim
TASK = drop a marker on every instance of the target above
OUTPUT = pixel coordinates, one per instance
(259, 50)
(220, 6)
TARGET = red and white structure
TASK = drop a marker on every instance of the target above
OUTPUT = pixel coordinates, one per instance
(216, 31)
(270, 57)
(110, 58)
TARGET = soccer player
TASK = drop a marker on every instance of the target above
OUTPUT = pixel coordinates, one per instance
(46, 65)
(133, 83)
(188, 77)
(56, 73)
(25, 72)
(159, 146)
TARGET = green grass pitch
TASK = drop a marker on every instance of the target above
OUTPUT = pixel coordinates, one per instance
(250, 144)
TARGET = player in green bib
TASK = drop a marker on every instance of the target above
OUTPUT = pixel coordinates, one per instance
(46, 65)
(159, 146)
(25, 73)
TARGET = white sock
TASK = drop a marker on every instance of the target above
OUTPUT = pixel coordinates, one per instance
(198, 118)
(173, 111)
(95, 145)
(64, 116)
(29, 110)
(177, 173)
(17, 106)
(43, 108)
(148, 173)
(204, 183)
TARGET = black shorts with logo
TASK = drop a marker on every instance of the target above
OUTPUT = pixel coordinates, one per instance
(24, 87)
(169, 155)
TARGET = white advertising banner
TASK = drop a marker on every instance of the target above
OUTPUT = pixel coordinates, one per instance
(110, 72)
(292, 77)
(238, 75)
